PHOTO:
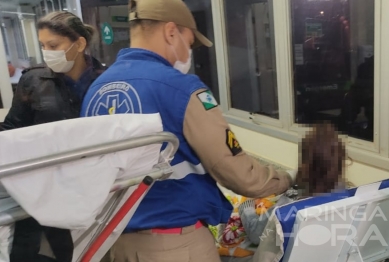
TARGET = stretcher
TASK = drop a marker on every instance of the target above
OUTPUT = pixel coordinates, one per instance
(92, 239)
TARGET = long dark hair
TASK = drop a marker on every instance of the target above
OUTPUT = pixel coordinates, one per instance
(322, 160)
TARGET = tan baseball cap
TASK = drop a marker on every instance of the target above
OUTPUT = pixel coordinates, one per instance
(174, 11)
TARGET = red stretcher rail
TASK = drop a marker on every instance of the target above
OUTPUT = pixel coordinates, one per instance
(128, 205)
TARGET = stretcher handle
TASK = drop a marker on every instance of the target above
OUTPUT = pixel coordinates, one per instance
(97, 150)
(131, 201)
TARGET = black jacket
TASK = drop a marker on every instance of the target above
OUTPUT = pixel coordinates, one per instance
(43, 96)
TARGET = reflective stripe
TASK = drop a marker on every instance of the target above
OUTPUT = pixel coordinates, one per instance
(185, 168)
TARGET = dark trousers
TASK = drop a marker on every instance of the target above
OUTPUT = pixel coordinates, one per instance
(27, 242)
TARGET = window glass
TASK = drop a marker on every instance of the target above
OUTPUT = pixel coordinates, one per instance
(100, 13)
(251, 56)
(20, 39)
(333, 46)
(5, 40)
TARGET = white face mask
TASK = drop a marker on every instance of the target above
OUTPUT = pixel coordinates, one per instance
(183, 67)
(56, 60)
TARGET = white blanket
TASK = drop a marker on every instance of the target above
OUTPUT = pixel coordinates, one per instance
(71, 195)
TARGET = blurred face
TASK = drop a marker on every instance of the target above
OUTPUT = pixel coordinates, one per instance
(321, 164)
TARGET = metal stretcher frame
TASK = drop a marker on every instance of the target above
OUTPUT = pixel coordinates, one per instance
(159, 172)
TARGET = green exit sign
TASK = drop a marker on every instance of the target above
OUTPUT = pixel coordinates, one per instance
(120, 19)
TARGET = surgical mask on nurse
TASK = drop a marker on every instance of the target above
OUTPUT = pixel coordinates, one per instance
(56, 60)
(60, 52)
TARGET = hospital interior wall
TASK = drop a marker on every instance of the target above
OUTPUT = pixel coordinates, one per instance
(3, 113)
(286, 154)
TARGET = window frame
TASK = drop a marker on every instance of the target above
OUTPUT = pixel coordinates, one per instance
(374, 153)
(19, 37)
(5, 40)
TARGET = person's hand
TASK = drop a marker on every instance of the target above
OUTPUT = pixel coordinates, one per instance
(293, 175)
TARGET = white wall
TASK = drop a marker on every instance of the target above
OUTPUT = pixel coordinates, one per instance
(286, 154)
(31, 38)
(3, 113)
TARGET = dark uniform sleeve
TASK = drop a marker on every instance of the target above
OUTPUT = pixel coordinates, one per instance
(21, 113)
(210, 136)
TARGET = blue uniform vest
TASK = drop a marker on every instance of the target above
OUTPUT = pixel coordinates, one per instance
(143, 82)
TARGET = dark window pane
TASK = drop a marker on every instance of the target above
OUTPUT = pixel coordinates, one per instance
(251, 56)
(99, 12)
(333, 44)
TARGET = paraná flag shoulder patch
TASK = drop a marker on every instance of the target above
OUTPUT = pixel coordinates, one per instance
(207, 99)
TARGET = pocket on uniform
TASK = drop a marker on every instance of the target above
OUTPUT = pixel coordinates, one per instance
(179, 255)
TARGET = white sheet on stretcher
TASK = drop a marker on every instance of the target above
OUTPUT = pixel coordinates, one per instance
(71, 195)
